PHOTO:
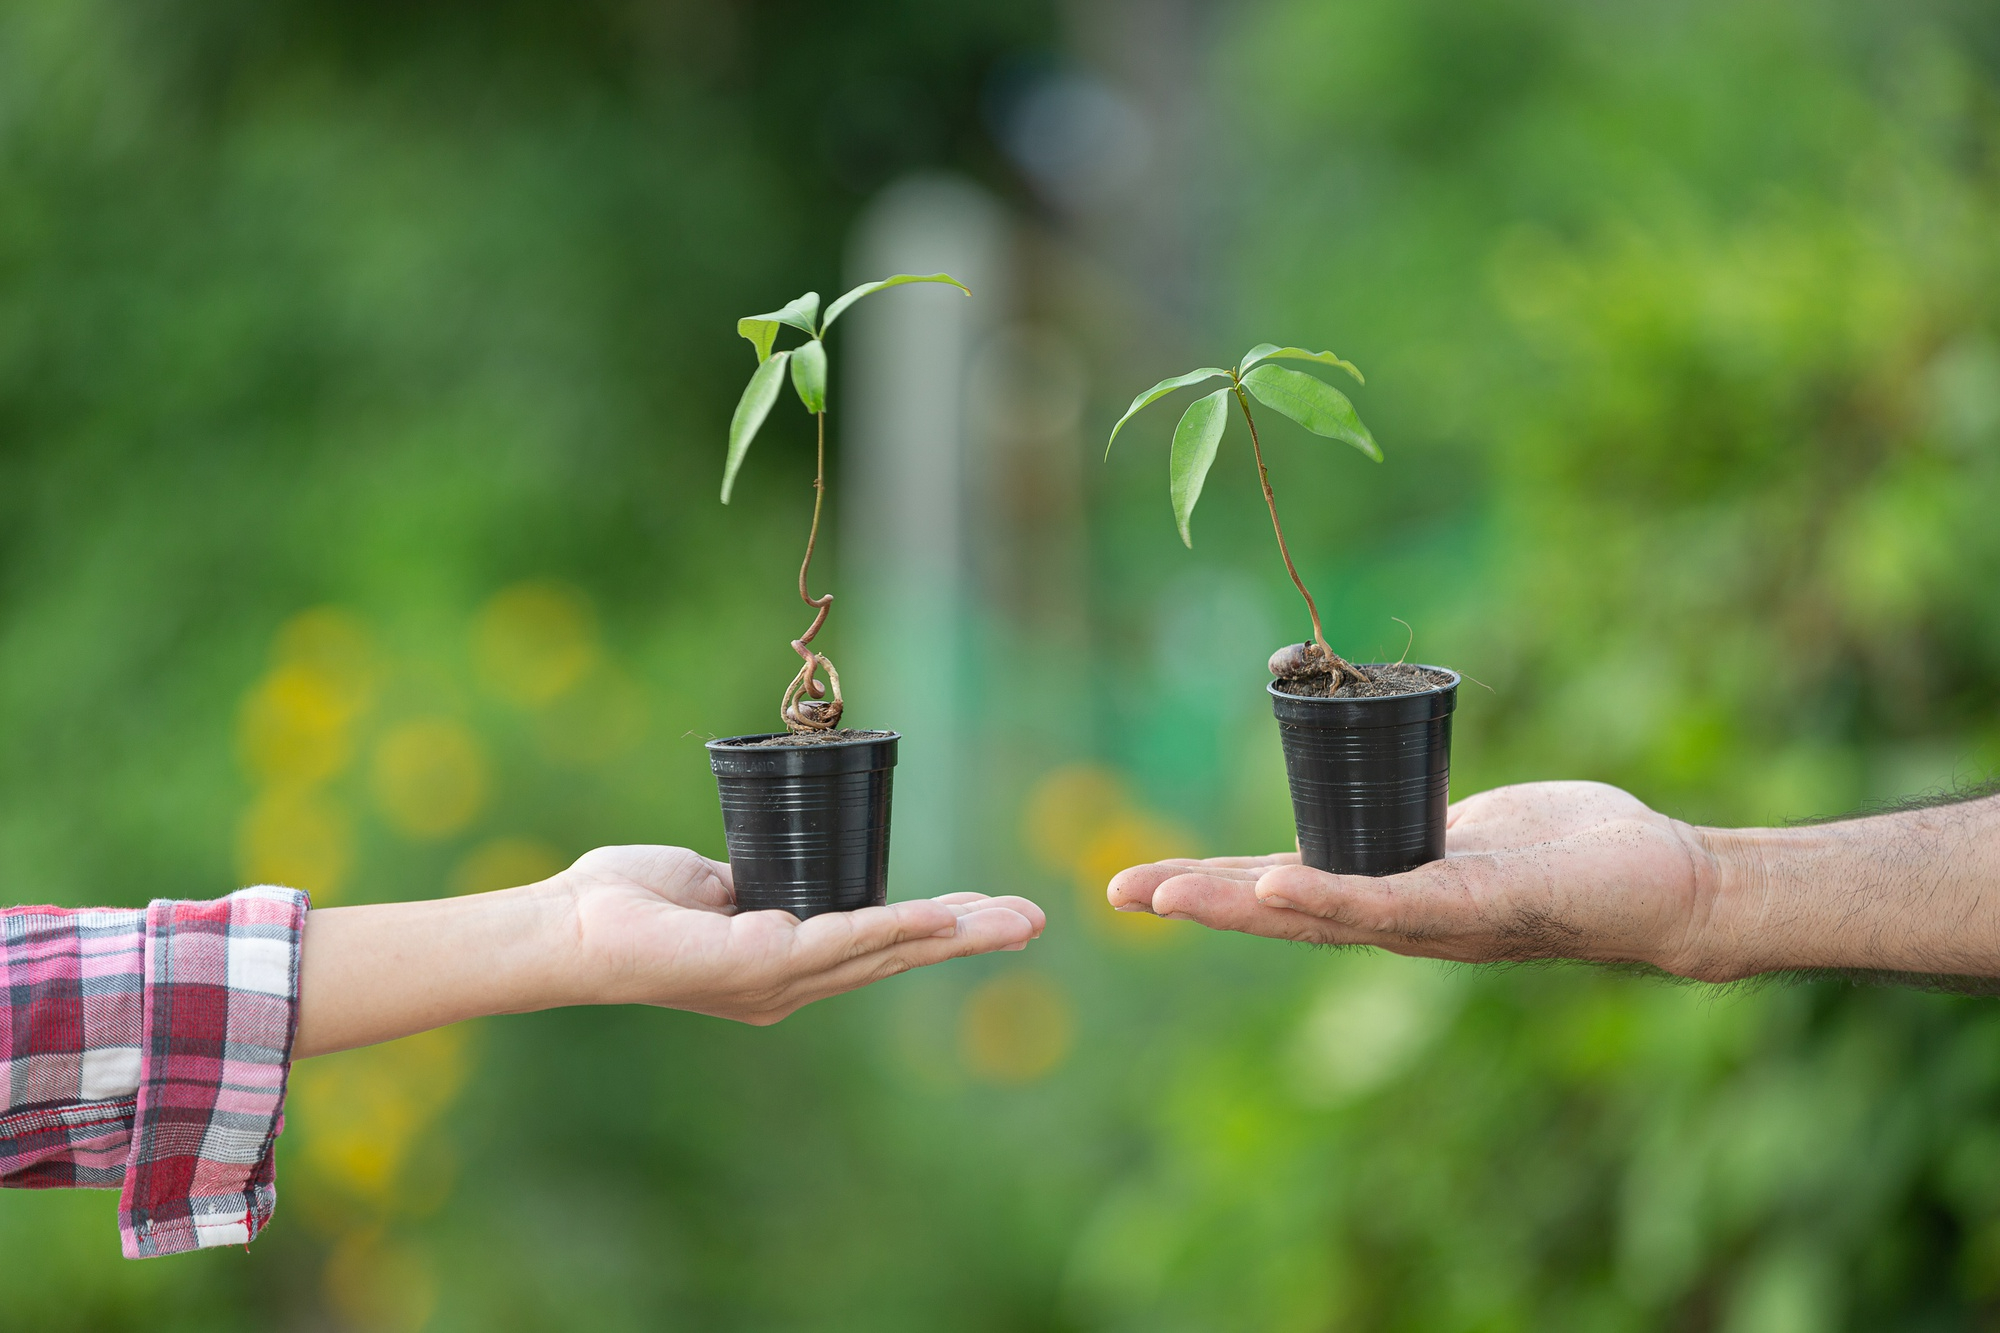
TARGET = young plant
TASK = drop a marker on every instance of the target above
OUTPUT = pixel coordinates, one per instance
(805, 706)
(1314, 404)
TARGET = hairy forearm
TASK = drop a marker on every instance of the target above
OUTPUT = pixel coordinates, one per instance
(378, 972)
(1916, 891)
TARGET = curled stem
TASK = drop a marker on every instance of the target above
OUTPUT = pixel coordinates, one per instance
(805, 706)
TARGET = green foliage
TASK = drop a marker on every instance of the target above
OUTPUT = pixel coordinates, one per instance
(759, 396)
(1159, 391)
(1686, 318)
(835, 310)
(1314, 404)
(762, 330)
(809, 376)
(808, 361)
(1273, 352)
(1195, 439)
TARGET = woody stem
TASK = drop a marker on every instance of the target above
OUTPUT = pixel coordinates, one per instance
(1271, 503)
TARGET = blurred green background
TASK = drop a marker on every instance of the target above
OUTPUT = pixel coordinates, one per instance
(363, 376)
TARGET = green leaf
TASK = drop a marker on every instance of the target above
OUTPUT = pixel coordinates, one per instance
(762, 330)
(809, 374)
(1314, 404)
(1273, 352)
(1194, 450)
(1157, 392)
(751, 409)
(834, 311)
(761, 333)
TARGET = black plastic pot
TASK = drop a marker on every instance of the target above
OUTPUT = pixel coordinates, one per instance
(807, 825)
(1369, 777)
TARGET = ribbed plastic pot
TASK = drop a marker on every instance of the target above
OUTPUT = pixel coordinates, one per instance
(807, 825)
(1370, 777)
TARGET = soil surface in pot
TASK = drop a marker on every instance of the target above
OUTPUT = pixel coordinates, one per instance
(1389, 681)
(796, 739)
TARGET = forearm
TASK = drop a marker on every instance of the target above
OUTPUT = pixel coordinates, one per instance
(374, 973)
(1917, 891)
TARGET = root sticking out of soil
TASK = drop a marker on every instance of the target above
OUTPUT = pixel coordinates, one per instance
(1295, 668)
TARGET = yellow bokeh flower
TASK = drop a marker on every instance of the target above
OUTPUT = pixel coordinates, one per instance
(1080, 820)
(504, 863)
(299, 838)
(535, 641)
(360, 1113)
(380, 1285)
(1016, 1028)
(602, 717)
(430, 777)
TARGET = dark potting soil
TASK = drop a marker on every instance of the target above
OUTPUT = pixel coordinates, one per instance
(1389, 681)
(813, 738)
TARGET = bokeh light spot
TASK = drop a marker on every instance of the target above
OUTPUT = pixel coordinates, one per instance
(505, 863)
(334, 646)
(1130, 839)
(430, 777)
(603, 717)
(360, 1113)
(1065, 811)
(1081, 820)
(534, 641)
(299, 838)
(1016, 1028)
(293, 730)
(381, 1285)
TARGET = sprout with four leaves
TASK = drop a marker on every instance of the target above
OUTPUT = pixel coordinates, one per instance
(1314, 404)
(805, 707)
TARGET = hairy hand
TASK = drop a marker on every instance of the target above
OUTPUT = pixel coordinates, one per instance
(658, 925)
(1542, 870)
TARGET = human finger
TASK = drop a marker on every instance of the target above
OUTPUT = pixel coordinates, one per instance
(984, 930)
(1438, 898)
(1131, 889)
(1226, 899)
(1026, 907)
(832, 938)
(1479, 908)
(1243, 862)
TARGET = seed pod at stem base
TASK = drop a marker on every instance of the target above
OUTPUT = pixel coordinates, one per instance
(1297, 661)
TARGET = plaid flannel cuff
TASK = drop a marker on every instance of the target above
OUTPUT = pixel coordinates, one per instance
(221, 1008)
(71, 983)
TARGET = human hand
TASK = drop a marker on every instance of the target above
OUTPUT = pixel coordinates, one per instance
(1542, 870)
(658, 925)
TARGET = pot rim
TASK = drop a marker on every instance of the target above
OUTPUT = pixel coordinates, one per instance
(729, 758)
(735, 744)
(1362, 702)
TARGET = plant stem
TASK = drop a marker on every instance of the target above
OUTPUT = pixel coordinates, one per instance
(1336, 664)
(824, 600)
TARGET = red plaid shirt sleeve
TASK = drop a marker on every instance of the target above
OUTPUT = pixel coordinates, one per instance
(146, 1051)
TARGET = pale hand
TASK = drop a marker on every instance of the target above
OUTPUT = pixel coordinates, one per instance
(624, 925)
(658, 925)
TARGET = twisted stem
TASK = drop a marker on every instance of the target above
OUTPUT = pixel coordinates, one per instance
(805, 706)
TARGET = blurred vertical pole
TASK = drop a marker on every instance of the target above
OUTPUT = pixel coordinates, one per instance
(907, 571)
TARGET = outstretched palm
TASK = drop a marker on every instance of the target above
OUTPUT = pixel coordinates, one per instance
(659, 924)
(1542, 870)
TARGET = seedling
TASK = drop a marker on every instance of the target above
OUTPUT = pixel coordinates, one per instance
(805, 707)
(1314, 404)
